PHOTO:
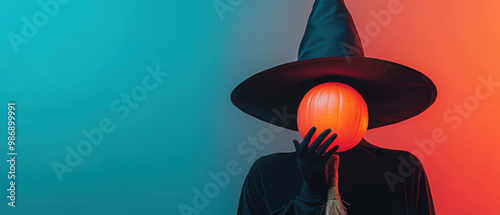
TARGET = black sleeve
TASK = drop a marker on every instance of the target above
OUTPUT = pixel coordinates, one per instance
(419, 199)
(255, 197)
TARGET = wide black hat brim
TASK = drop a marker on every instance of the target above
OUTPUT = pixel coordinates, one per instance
(392, 92)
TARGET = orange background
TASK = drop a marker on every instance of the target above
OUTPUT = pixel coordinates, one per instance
(453, 43)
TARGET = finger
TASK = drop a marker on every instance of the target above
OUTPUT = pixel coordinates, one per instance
(322, 149)
(307, 138)
(330, 153)
(318, 141)
(296, 144)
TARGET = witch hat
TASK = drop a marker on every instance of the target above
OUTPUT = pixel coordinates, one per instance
(331, 51)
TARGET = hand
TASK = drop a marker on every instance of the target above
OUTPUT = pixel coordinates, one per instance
(312, 160)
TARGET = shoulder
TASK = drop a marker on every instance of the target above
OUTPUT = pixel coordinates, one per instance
(383, 159)
(389, 154)
(276, 160)
(275, 163)
(277, 157)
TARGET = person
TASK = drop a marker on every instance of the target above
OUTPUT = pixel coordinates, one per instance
(371, 180)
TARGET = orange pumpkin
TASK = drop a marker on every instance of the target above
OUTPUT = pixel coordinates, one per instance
(336, 106)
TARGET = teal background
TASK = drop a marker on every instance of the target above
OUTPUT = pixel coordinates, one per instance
(90, 53)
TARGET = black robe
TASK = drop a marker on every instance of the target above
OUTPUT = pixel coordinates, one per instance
(372, 180)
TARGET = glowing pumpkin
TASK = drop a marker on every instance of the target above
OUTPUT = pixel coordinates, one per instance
(336, 106)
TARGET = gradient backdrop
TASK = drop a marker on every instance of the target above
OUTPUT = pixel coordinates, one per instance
(80, 59)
